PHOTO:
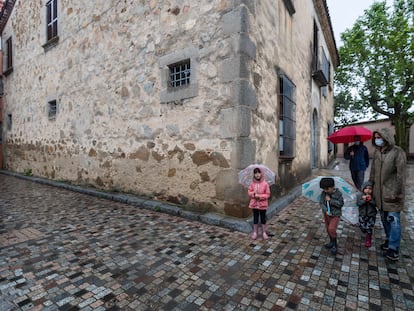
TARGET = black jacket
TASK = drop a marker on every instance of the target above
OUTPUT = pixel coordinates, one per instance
(366, 208)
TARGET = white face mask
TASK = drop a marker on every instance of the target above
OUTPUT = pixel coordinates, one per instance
(357, 143)
(379, 142)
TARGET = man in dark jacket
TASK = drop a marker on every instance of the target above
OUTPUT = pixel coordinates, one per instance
(388, 173)
(358, 157)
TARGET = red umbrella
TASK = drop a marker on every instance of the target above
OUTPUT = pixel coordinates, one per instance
(346, 135)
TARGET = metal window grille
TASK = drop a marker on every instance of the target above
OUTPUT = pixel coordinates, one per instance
(180, 73)
(9, 45)
(52, 109)
(9, 122)
(287, 117)
(326, 66)
(51, 8)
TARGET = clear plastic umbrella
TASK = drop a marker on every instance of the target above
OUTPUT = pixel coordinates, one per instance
(246, 175)
(312, 191)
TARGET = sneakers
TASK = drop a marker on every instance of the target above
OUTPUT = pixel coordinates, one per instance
(384, 246)
(392, 254)
(330, 244)
(333, 246)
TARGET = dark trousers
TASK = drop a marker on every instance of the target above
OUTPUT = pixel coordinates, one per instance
(257, 213)
(358, 178)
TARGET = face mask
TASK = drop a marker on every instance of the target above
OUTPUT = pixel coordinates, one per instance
(357, 143)
(379, 142)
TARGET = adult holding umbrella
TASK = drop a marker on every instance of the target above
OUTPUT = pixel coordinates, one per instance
(358, 157)
(357, 154)
(346, 134)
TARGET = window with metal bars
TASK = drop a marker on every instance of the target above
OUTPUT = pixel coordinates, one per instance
(180, 73)
(51, 19)
(287, 118)
(9, 121)
(52, 109)
(9, 44)
(9, 57)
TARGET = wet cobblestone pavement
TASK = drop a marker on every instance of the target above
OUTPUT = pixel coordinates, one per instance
(62, 250)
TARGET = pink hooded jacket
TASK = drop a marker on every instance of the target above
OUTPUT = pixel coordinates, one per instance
(262, 188)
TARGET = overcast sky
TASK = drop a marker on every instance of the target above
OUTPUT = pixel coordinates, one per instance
(344, 13)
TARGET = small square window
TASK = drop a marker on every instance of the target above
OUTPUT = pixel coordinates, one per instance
(52, 109)
(180, 73)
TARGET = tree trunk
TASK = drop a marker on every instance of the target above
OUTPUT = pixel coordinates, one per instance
(402, 133)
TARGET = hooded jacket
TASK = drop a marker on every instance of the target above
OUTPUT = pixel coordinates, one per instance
(335, 204)
(366, 208)
(360, 160)
(388, 173)
(261, 187)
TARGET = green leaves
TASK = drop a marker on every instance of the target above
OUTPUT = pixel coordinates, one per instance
(376, 69)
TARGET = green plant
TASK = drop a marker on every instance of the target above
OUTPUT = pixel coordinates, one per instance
(28, 172)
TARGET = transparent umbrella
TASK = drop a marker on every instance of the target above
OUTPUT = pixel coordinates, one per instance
(246, 174)
(312, 191)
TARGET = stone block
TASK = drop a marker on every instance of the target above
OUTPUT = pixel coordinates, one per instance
(246, 46)
(235, 68)
(236, 21)
(250, 4)
(235, 122)
(244, 93)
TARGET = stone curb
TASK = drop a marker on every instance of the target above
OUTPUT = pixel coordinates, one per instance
(242, 225)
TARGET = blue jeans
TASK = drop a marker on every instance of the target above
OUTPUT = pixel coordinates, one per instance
(392, 227)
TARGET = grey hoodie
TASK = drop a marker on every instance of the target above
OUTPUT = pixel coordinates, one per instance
(388, 173)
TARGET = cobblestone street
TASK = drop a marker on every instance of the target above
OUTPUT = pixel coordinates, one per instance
(63, 250)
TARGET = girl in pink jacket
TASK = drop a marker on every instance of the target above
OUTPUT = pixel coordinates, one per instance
(259, 193)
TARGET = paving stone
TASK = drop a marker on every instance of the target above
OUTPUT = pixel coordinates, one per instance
(64, 250)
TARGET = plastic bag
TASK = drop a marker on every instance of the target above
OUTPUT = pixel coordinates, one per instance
(350, 214)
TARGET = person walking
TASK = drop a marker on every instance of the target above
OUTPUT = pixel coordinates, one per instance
(367, 211)
(358, 157)
(259, 193)
(331, 202)
(388, 174)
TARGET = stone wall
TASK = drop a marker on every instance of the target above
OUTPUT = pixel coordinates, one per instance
(116, 129)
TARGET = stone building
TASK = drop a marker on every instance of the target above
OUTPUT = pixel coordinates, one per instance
(168, 99)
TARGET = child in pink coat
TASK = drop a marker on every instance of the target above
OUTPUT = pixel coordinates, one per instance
(259, 193)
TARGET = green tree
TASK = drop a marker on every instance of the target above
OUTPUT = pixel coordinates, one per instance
(376, 74)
